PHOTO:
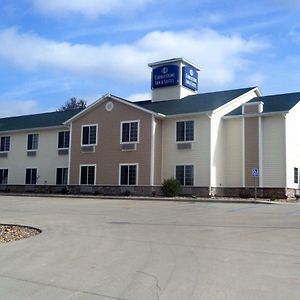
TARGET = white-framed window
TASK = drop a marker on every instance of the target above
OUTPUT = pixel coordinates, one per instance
(3, 176)
(128, 174)
(87, 174)
(63, 139)
(185, 131)
(32, 141)
(62, 176)
(130, 131)
(89, 135)
(4, 143)
(296, 175)
(31, 176)
(185, 174)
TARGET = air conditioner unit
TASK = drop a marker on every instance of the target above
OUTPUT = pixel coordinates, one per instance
(184, 146)
(31, 153)
(128, 147)
(87, 149)
(63, 151)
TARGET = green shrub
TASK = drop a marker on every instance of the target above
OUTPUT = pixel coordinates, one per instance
(171, 187)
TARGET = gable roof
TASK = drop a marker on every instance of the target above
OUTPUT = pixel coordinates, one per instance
(205, 102)
(102, 99)
(273, 103)
(43, 120)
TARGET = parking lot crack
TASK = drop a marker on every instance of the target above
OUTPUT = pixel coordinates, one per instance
(156, 280)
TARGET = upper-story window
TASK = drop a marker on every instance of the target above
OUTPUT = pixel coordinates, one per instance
(89, 135)
(185, 131)
(130, 132)
(33, 141)
(4, 143)
(63, 139)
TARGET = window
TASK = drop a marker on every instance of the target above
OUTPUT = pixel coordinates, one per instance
(3, 176)
(32, 141)
(62, 176)
(128, 174)
(87, 174)
(31, 176)
(63, 139)
(184, 131)
(185, 175)
(130, 132)
(4, 143)
(89, 135)
(296, 175)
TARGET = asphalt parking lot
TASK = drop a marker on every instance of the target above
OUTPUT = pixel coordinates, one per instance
(95, 249)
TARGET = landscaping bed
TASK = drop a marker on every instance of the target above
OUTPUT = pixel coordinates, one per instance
(9, 233)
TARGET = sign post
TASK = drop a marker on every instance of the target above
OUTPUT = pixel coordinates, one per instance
(255, 174)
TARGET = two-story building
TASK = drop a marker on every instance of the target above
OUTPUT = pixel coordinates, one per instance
(218, 143)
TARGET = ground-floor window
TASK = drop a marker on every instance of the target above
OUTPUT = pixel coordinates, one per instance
(3, 176)
(87, 174)
(62, 176)
(31, 176)
(185, 174)
(296, 175)
(128, 174)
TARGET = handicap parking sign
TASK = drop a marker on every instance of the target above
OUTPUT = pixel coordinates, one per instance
(255, 172)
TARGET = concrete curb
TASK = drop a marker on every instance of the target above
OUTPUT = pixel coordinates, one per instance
(158, 199)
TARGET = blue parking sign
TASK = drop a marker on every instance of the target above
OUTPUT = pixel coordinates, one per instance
(255, 172)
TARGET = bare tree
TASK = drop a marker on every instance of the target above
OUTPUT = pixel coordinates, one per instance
(73, 103)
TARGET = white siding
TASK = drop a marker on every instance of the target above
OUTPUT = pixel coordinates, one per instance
(273, 149)
(199, 155)
(233, 153)
(293, 145)
(46, 159)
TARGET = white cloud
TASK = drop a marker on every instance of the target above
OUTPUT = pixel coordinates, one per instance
(16, 108)
(221, 57)
(294, 35)
(139, 96)
(88, 8)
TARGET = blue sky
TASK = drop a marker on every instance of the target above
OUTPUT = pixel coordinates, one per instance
(53, 50)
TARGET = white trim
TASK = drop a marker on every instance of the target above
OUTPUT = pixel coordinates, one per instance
(70, 153)
(137, 173)
(95, 175)
(243, 154)
(152, 154)
(173, 60)
(252, 115)
(58, 139)
(111, 97)
(7, 175)
(5, 136)
(185, 165)
(37, 175)
(256, 90)
(33, 129)
(138, 131)
(56, 175)
(260, 153)
(187, 115)
(285, 154)
(38, 142)
(185, 120)
(81, 135)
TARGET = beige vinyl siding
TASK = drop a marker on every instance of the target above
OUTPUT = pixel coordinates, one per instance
(46, 159)
(108, 154)
(233, 153)
(293, 145)
(273, 149)
(199, 155)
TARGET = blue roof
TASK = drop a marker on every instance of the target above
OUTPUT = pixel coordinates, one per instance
(43, 120)
(205, 102)
(273, 103)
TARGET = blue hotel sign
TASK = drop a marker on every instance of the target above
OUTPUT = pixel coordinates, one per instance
(165, 76)
(190, 78)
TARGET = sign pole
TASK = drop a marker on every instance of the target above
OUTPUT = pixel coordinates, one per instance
(255, 191)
